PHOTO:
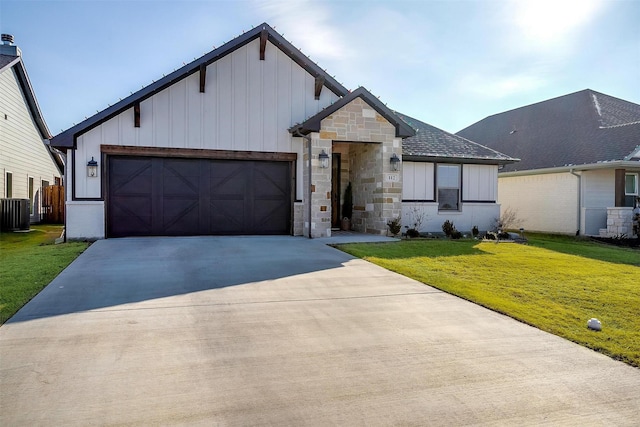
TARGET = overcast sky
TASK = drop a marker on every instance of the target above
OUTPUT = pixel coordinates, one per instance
(448, 63)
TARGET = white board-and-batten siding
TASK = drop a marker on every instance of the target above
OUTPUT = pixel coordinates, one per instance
(479, 182)
(479, 193)
(22, 151)
(248, 105)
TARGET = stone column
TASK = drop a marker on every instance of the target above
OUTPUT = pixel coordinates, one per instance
(320, 188)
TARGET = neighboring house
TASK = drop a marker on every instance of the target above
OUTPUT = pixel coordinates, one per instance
(580, 162)
(255, 138)
(27, 163)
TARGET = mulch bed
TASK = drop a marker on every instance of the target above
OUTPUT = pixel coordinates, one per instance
(629, 243)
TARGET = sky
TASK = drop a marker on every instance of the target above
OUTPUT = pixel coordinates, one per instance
(447, 63)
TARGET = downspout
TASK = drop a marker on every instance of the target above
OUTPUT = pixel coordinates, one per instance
(308, 138)
(572, 172)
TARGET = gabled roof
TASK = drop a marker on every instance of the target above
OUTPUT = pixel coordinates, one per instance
(15, 62)
(67, 138)
(8, 62)
(312, 124)
(581, 128)
(432, 143)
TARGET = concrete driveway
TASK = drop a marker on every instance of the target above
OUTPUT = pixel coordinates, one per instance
(284, 331)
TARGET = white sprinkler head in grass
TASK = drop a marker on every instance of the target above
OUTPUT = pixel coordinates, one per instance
(594, 324)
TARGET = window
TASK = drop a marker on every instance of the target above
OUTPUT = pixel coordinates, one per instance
(448, 178)
(31, 195)
(630, 189)
(8, 185)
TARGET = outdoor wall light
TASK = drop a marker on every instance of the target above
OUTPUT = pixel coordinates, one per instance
(324, 159)
(395, 162)
(92, 168)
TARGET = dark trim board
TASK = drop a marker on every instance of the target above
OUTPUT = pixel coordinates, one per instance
(197, 153)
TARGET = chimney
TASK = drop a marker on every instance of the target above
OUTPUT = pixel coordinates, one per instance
(7, 47)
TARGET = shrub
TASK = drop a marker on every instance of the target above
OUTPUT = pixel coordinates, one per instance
(394, 226)
(347, 207)
(475, 231)
(456, 234)
(412, 232)
(509, 220)
(448, 228)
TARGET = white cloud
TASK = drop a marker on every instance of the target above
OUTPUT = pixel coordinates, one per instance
(308, 25)
(499, 87)
(552, 23)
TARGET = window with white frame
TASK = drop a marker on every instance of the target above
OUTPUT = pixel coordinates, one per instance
(630, 189)
(448, 181)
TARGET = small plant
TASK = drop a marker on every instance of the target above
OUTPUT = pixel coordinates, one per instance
(448, 228)
(395, 225)
(347, 207)
(417, 217)
(508, 220)
(475, 231)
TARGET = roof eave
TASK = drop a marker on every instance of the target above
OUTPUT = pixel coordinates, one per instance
(314, 123)
(560, 169)
(32, 102)
(449, 159)
(67, 138)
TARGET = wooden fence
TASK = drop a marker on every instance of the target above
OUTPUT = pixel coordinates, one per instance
(53, 204)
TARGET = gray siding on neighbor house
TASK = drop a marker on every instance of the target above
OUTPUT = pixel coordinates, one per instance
(22, 151)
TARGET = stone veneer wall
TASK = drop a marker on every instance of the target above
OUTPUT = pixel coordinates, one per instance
(619, 222)
(377, 191)
(320, 188)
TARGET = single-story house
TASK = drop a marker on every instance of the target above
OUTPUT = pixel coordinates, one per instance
(27, 162)
(580, 162)
(255, 138)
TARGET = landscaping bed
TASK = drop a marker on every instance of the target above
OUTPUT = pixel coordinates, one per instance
(627, 243)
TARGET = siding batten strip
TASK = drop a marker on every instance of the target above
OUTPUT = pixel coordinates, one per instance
(203, 77)
(136, 114)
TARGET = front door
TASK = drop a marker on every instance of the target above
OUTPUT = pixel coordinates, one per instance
(335, 190)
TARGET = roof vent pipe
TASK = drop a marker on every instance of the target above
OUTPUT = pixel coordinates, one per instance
(7, 39)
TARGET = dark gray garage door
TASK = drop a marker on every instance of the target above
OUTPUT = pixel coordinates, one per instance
(155, 196)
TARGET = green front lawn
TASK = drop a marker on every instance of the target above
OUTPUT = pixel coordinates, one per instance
(28, 262)
(555, 283)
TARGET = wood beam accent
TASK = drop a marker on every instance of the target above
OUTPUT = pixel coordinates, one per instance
(118, 150)
(264, 35)
(203, 77)
(319, 85)
(136, 114)
(619, 187)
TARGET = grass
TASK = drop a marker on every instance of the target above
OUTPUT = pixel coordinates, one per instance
(29, 262)
(555, 283)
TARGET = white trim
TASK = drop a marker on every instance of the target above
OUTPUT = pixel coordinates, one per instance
(604, 165)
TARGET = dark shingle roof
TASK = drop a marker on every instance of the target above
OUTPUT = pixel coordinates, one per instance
(433, 143)
(585, 127)
(312, 124)
(6, 60)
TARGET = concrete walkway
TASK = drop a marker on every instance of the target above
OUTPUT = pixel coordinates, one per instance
(284, 331)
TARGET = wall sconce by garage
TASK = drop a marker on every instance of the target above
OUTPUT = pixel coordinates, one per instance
(92, 168)
(324, 159)
(395, 162)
